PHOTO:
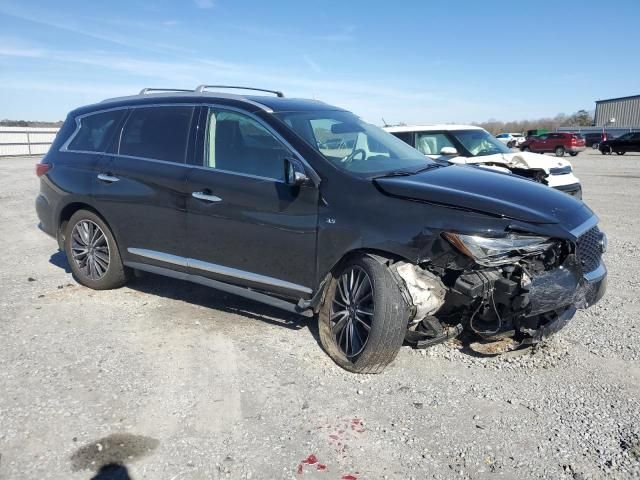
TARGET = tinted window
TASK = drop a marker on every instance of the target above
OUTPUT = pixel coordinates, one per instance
(406, 137)
(159, 133)
(238, 143)
(96, 131)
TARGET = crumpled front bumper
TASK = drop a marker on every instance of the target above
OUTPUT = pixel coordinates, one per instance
(565, 289)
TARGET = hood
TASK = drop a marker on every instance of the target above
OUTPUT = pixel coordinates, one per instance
(486, 191)
(517, 159)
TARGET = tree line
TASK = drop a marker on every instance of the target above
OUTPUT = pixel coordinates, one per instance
(28, 123)
(581, 118)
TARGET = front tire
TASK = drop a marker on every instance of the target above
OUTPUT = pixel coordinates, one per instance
(526, 149)
(620, 153)
(363, 319)
(559, 151)
(92, 252)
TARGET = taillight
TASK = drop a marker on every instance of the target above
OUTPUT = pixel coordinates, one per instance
(42, 168)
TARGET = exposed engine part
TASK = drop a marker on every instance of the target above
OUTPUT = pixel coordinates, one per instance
(426, 289)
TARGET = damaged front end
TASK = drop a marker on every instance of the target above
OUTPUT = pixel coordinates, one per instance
(521, 286)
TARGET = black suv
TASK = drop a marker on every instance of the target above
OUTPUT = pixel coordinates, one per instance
(629, 142)
(304, 206)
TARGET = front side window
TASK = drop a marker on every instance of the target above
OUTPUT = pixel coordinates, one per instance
(96, 131)
(238, 143)
(479, 142)
(431, 143)
(159, 133)
(353, 145)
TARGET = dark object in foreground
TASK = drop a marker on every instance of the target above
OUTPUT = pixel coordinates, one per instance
(304, 206)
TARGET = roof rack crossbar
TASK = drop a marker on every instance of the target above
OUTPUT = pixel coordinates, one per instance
(202, 88)
(144, 91)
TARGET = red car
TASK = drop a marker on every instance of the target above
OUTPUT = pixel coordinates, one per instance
(558, 143)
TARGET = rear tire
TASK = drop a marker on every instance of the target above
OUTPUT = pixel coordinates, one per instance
(92, 252)
(573, 154)
(381, 314)
(620, 153)
(559, 151)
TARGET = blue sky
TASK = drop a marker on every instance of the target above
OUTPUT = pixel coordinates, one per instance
(411, 61)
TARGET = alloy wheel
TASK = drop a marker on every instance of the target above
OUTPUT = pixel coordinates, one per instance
(90, 249)
(352, 311)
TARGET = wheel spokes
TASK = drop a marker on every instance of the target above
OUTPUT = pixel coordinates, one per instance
(352, 310)
(90, 249)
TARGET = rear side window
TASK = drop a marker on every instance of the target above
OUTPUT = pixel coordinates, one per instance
(96, 131)
(159, 133)
(406, 137)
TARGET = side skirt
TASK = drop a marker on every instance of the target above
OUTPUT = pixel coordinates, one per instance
(225, 287)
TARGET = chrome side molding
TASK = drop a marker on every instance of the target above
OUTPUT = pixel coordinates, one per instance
(219, 269)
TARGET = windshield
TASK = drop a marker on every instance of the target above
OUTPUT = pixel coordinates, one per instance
(354, 145)
(479, 142)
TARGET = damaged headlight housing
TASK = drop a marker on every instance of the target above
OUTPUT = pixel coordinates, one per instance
(497, 251)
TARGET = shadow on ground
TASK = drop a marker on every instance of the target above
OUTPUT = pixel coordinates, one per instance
(215, 299)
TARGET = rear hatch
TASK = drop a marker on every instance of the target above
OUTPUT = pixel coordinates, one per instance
(577, 140)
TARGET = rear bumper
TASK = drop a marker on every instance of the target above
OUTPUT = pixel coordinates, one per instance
(576, 149)
(45, 215)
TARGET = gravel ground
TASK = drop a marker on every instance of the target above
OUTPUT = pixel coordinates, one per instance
(176, 381)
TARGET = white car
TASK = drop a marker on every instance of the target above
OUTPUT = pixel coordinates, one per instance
(467, 144)
(511, 140)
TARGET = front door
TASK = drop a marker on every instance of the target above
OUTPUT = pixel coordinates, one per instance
(539, 144)
(245, 225)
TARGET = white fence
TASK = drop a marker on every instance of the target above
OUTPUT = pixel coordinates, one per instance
(25, 140)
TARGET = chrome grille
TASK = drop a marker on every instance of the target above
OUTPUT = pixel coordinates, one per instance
(560, 170)
(589, 249)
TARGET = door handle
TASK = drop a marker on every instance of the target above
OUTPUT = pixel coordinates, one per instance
(207, 197)
(105, 177)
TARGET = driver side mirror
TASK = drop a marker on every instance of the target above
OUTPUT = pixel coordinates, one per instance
(448, 151)
(294, 173)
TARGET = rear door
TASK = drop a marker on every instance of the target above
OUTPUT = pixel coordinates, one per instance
(245, 225)
(142, 184)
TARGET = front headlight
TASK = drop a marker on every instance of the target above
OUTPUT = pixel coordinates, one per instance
(497, 251)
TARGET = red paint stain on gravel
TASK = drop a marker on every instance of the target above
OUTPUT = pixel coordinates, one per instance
(310, 460)
(349, 477)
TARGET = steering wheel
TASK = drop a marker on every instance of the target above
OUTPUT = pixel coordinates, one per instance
(351, 157)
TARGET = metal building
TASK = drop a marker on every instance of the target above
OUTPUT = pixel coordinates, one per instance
(625, 111)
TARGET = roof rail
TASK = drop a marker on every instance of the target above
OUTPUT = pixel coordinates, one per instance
(144, 91)
(202, 88)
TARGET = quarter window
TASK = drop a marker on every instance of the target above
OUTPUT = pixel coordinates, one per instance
(159, 133)
(96, 131)
(237, 143)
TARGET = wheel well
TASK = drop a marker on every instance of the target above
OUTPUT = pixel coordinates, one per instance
(363, 251)
(559, 146)
(65, 215)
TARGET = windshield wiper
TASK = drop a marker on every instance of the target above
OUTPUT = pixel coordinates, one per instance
(396, 173)
(406, 173)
